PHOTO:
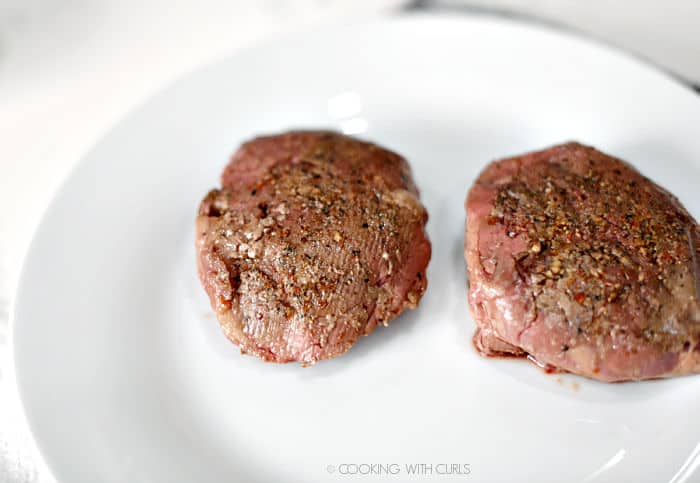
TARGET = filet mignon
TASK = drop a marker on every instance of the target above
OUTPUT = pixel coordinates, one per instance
(314, 239)
(578, 261)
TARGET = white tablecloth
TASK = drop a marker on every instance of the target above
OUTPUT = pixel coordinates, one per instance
(70, 69)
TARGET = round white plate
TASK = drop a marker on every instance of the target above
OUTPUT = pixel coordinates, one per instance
(122, 368)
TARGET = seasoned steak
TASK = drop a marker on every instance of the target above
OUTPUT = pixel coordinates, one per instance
(581, 263)
(314, 239)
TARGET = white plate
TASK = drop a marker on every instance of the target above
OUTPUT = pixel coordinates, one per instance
(126, 377)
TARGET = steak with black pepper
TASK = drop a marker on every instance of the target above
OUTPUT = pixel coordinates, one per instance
(581, 263)
(314, 239)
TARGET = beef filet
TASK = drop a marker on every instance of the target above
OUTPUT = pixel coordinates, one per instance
(578, 261)
(314, 239)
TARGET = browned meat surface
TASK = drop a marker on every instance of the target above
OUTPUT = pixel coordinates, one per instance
(577, 260)
(314, 239)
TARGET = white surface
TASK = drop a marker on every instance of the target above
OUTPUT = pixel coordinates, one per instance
(665, 33)
(70, 69)
(137, 383)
